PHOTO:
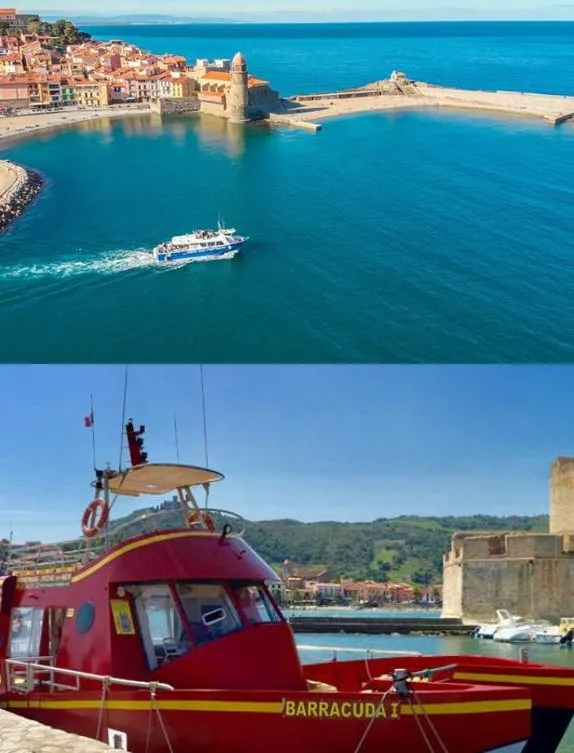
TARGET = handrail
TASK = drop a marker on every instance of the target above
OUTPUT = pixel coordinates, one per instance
(337, 649)
(104, 679)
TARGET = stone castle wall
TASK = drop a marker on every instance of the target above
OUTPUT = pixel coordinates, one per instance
(530, 574)
(562, 496)
(179, 106)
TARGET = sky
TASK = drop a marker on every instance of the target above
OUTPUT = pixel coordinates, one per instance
(341, 10)
(345, 443)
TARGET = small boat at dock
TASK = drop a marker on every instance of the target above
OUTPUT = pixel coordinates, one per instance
(200, 245)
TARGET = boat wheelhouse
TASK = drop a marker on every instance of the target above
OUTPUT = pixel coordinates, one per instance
(200, 245)
(169, 640)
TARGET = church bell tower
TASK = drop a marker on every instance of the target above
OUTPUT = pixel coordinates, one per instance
(238, 100)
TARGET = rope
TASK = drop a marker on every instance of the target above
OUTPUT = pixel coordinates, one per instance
(105, 686)
(430, 723)
(372, 721)
(152, 692)
(420, 726)
(148, 736)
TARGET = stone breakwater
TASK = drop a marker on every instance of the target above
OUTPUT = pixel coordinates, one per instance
(19, 735)
(21, 186)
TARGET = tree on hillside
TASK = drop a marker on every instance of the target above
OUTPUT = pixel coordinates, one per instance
(4, 26)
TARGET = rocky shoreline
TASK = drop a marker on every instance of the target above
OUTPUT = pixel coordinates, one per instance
(24, 189)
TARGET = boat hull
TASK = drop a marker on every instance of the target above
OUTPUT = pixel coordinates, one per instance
(469, 721)
(177, 256)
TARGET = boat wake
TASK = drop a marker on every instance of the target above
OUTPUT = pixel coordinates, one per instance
(111, 262)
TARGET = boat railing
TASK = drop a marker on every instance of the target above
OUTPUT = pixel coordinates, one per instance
(25, 675)
(75, 553)
(368, 653)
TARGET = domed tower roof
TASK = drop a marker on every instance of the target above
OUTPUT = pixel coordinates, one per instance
(239, 63)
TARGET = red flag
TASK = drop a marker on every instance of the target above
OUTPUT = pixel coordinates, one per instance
(89, 421)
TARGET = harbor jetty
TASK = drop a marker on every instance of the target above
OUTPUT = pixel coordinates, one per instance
(379, 625)
(20, 735)
(18, 187)
(399, 92)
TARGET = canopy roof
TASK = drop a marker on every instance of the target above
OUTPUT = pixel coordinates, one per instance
(160, 478)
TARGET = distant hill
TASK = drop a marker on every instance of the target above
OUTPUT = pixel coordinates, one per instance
(138, 18)
(407, 548)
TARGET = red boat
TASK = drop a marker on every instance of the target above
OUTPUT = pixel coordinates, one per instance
(171, 641)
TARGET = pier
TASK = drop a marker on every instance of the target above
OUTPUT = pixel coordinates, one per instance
(398, 92)
(380, 625)
(20, 735)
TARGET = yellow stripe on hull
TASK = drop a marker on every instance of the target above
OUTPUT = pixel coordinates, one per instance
(515, 679)
(467, 707)
(264, 707)
(137, 545)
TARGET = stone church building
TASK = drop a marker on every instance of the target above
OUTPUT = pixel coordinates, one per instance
(530, 574)
(235, 94)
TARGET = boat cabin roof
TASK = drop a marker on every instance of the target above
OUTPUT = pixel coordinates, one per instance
(160, 478)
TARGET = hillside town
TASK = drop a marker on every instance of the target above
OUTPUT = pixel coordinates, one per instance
(40, 71)
(316, 586)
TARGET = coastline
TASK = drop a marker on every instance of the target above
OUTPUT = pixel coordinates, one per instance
(19, 188)
(23, 125)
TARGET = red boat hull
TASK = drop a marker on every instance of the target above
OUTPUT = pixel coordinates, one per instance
(256, 722)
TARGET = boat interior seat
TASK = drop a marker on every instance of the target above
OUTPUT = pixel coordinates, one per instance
(321, 687)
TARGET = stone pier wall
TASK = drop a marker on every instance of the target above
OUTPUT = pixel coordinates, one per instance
(166, 106)
(26, 185)
(19, 735)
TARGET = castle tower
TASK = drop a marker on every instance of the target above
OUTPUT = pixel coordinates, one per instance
(238, 98)
(562, 496)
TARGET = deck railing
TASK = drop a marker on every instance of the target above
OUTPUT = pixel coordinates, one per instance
(75, 553)
(25, 675)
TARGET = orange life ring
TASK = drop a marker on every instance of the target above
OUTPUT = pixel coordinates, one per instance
(201, 516)
(92, 523)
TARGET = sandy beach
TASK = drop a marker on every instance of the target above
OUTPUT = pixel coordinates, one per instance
(24, 124)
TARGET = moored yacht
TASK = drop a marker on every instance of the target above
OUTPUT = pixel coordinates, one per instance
(200, 245)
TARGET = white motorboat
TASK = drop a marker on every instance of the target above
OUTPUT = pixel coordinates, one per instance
(549, 634)
(504, 619)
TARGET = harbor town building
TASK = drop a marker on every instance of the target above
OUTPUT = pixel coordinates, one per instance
(234, 94)
(529, 574)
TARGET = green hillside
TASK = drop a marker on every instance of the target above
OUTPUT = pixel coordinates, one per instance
(407, 548)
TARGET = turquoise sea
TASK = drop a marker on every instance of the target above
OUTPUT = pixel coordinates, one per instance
(410, 237)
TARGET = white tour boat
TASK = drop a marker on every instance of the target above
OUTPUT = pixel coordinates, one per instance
(201, 245)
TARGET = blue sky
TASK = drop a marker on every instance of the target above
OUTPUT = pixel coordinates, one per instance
(332, 9)
(312, 443)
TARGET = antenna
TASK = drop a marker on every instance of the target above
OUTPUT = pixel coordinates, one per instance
(203, 416)
(93, 428)
(125, 398)
(176, 438)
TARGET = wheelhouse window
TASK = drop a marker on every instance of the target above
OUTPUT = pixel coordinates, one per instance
(255, 604)
(25, 632)
(209, 611)
(163, 634)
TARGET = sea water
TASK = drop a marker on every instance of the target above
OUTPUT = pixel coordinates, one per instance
(407, 236)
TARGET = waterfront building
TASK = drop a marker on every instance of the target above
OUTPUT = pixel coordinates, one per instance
(14, 92)
(235, 95)
(91, 94)
(530, 574)
(16, 20)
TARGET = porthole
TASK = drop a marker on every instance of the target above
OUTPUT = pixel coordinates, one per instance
(85, 617)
